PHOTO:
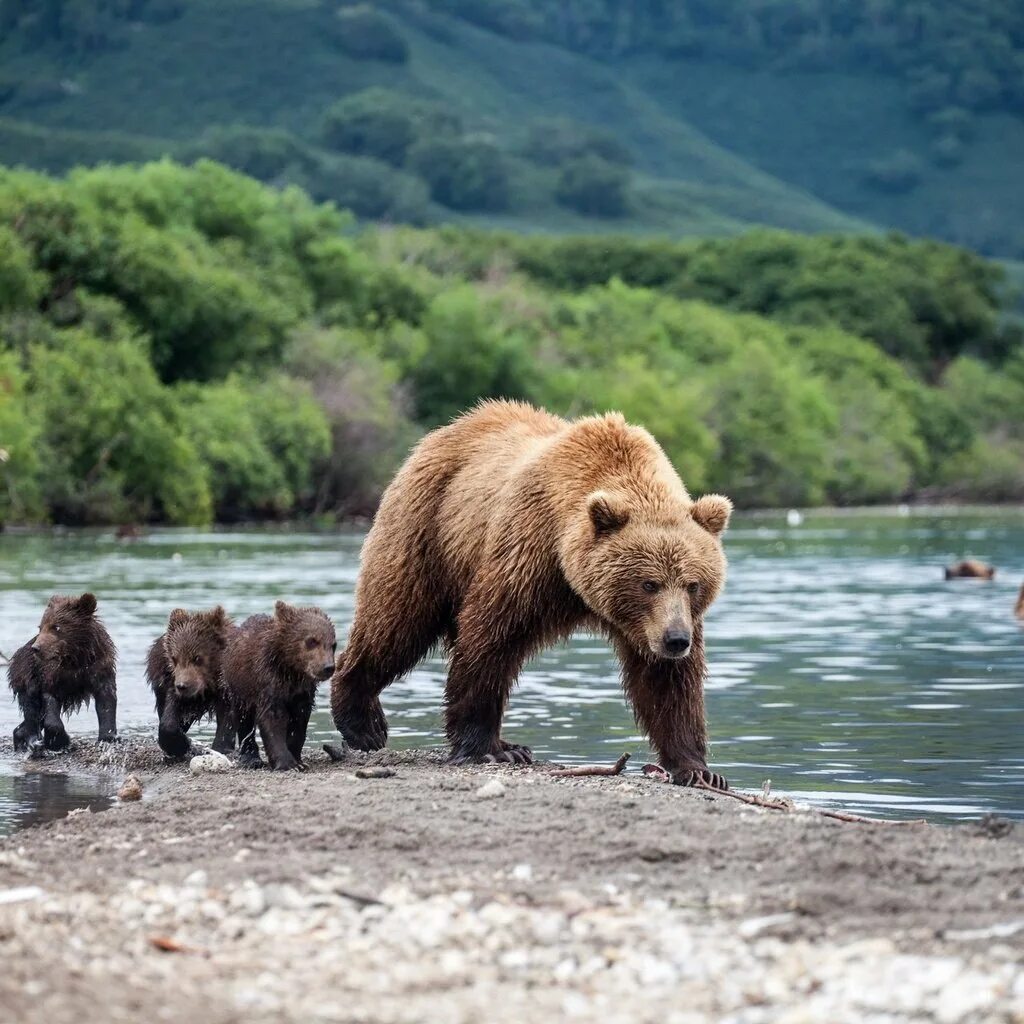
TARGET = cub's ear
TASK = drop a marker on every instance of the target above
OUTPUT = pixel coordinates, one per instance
(177, 618)
(87, 604)
(218, 617)
(607, 512)
(712, 512)
(283, 612)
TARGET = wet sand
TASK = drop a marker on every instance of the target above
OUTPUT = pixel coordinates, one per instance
(325, 897)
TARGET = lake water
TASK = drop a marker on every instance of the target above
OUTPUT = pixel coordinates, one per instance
(843, 667)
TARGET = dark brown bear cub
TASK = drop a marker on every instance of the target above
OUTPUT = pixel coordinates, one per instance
(69, 662)
(271, 667)
(184, 669)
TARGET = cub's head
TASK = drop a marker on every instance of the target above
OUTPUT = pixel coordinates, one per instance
(194, 645)
(67, 629)
(650, 578)
(305, 640)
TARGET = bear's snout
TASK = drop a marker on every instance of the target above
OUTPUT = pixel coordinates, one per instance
(676, 642)
(327, 671)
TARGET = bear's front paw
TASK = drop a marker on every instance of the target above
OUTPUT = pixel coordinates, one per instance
(288, 765)
(700, 778)
(364, 728)
(108, 739)
(499, 752)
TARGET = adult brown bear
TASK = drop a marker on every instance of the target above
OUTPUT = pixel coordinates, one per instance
(508, 530)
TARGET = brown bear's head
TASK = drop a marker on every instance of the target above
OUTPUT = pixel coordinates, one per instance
(649, 576)
(67, 630)
(305, 640)
(194, 645)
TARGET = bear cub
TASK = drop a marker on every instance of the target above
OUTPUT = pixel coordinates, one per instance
(271, 668)
(70, 661)
(184, 670)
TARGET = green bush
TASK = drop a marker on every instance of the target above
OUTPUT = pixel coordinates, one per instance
(463, 173)
(366, 407)
(112, 442)
(368, 34)
(259, 443)
(384, 124)
(465, 358)
(592, 186)
(21, 497)
(552, 142)
(897, 173)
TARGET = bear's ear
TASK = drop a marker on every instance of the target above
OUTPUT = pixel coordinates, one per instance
(87, 604)
(607, 513)
(218, 617)
(283, 612)
(177, 618)
(712, 512)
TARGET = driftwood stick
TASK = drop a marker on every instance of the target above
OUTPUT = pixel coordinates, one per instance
(592, 769)
(773, 803)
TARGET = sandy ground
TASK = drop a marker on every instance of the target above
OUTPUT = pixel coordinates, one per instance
(325, 897)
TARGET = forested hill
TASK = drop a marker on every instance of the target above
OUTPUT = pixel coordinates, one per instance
(690, 117)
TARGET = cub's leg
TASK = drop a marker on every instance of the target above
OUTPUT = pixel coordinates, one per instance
(225, 737)
(55, 736)
(171, 732)
(273, 723)
(299, 711)
(248, 751)
(105, 696)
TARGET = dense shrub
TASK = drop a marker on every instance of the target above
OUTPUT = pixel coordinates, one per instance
(368, 34)
(594, 187)
(554, 141)
(463, 173)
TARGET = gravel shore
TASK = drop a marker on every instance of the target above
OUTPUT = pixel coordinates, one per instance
(467, 894)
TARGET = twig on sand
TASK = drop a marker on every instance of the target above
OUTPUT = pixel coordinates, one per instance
(168, 945)
(773, 803)
(593, 769)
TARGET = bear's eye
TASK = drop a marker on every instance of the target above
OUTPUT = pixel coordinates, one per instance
(311, 643)
(650, 586)
(56, 629)
(693, 589)
(198, 660)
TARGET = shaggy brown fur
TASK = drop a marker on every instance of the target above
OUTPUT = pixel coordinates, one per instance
(970, 569)
(509, 530)
(270, 669)
(69, 662)
(184, 669)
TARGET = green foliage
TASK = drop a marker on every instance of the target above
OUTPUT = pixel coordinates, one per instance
(369, 34)
(260, 442)
(111, 438)
(21, 497)
(593, 186)
(180, 343)
(555, 140)
(463, 173)
(384, 124)
(897, 173)
(465, 358)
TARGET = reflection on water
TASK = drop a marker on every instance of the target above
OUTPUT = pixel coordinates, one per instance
(30, 797)
(843, 666)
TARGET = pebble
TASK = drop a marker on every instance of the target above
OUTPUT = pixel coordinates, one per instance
(211, 763)
(131, 789)
(491, 790)
(374, 772)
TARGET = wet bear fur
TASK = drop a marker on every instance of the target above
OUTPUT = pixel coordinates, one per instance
(184, 670)
(68, 663)
(510, 529)
(271, 668)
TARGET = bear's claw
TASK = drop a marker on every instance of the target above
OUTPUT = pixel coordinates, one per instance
(696, 777)
(364, 728)
(506, 753)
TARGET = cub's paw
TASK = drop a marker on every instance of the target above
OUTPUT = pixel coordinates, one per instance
(700, 778)
(290, 765)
